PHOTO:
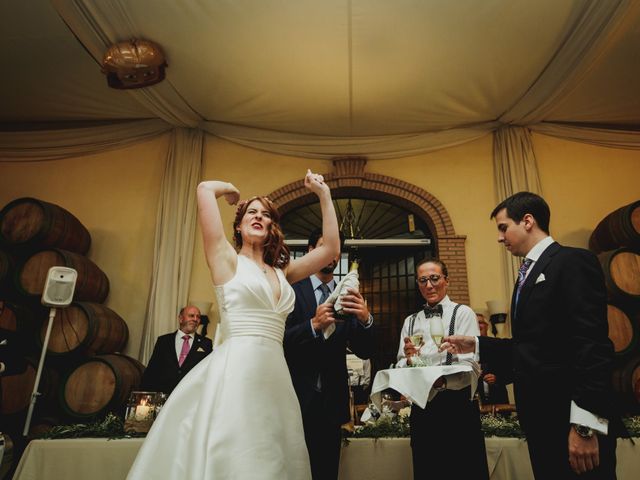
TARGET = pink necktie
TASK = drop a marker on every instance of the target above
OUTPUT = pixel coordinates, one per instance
(185, 349)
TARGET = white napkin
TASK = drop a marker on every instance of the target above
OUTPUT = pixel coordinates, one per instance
(350, 280)
(415, 382)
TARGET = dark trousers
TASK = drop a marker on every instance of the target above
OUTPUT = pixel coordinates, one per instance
(546, 427)
(324, 439)
(447, 439)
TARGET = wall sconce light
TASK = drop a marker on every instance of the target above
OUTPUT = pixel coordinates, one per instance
(497, 317)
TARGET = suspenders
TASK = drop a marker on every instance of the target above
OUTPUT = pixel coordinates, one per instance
(452, 327)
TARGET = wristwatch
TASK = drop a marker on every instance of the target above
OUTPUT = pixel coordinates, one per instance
(583, 430)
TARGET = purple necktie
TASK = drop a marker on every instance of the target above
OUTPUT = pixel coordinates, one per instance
(185, 349)
(522, 274)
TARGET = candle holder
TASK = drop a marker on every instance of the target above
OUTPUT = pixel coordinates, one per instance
(142, 410)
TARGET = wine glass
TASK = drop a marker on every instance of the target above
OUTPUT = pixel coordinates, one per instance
(417, 339)
(437, 331)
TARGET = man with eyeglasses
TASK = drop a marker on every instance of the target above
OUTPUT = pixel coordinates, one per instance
(446, 436)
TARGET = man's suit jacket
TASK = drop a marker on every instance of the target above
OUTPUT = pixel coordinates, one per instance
(560, 350)
(309, 356)
(11, 354)
(163, 372)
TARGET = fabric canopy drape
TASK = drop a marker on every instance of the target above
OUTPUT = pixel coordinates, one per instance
(43, 145)
(174, 238)
(325, 147)
(515, 167)
(601, 137)
(98, 25)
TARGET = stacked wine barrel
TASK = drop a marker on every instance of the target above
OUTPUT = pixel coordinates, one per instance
(616, 241)
(84, 375)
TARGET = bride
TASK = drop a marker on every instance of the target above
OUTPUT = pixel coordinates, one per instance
(236, 415)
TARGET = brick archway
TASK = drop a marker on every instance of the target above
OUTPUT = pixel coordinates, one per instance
(349, 179)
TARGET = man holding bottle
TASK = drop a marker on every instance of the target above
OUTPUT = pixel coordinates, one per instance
(315, 345)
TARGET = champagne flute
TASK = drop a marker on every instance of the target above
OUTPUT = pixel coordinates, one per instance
(437, 330)
(417, 339)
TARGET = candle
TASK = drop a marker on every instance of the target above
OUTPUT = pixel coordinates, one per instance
(141, 412)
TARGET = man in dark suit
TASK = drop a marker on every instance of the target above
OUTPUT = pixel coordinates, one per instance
(317, 361)
(560, 354)
(175, 354)
(491, 383)
(12, 360)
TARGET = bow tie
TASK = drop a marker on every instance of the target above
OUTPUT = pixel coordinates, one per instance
(432, 312)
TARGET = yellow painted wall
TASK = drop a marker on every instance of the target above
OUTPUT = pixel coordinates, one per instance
(115, 196)
(583, 183)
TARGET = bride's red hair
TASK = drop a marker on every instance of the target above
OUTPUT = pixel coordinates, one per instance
(276, 252)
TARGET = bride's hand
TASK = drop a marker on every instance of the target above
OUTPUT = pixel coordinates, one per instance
(315, 182)
(231, 194)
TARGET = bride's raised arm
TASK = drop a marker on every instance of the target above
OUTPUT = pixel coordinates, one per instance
(221, 257)
(322, 255)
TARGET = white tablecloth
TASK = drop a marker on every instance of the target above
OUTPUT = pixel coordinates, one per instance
(361, 459)
(415, 382)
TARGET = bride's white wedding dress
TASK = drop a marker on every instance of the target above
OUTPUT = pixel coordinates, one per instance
(235, 415)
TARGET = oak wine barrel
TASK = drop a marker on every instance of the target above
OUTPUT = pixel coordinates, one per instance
(86, 328)
(100, 385)
(15, 390)
(29, 223)
(621, 269)
(15, 318)
(92, 284)
(7, 267)
(621, 228)
(623, 331)
(626, 381)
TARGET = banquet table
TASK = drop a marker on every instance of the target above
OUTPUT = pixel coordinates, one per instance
(361, 459)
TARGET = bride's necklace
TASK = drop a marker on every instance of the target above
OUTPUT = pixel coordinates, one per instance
(263, 268)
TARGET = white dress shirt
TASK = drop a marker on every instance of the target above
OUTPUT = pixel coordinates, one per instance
(466, 324)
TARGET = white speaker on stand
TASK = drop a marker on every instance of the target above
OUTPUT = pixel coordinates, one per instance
(58, 293)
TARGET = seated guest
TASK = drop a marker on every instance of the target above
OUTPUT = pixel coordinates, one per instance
(491, 386)
(446, 436)
(175, 354)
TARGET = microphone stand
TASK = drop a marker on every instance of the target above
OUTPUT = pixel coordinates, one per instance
(35, 393)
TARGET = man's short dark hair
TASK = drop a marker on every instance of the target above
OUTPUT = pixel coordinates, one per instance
(521, 203)
(315, 235)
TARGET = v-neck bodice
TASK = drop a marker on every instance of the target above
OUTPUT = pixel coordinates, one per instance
(247, 304)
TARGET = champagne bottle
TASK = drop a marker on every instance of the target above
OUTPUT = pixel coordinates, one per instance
(350, 280)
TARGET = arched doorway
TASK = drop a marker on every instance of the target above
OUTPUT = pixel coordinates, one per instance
(393, 224)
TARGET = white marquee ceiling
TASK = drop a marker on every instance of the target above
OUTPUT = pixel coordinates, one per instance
(323, 67)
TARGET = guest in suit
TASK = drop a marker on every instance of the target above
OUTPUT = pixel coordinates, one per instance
(560, 354)
(175, 354)
(318, 365)
(12, 361)
(492, 388)
(446, 436)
